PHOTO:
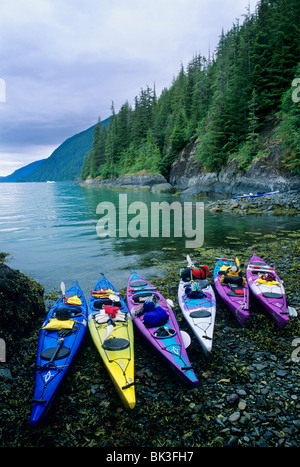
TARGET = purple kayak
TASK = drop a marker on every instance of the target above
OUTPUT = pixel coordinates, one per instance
(154, 318)
(232, 290)
(267, 287)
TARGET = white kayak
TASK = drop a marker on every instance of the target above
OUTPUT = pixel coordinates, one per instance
(198, 308)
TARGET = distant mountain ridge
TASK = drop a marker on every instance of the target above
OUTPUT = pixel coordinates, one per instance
(64, 164)
(25, 171)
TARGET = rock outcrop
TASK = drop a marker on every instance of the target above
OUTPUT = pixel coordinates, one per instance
(264, 174)
(140, 181)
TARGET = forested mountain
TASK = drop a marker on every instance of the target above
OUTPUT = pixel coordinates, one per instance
(19, 174)
(65, 163)
(223, 102)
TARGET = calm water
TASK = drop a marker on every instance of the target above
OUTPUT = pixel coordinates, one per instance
(50, 231)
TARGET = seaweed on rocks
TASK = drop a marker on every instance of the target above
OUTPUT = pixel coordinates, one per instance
(285, 203)
(21, 304)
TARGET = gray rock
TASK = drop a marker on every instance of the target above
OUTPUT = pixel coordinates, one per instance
(6, 373)
(234, 417)
(162, 188)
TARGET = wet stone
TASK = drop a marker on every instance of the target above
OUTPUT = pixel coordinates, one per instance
(234, 417)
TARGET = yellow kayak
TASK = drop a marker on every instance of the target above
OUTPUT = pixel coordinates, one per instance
(111, 328)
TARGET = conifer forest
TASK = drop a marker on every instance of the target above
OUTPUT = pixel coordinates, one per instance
(223, 101)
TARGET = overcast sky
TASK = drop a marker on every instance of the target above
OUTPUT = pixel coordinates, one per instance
(63, 62)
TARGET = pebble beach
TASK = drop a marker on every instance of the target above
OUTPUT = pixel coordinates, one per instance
(278, 204)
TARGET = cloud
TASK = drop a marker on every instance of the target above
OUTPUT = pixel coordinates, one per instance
(64, 61)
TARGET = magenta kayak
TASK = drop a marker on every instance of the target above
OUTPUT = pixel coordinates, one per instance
(155, 320)
(267, 287)
(232, 289)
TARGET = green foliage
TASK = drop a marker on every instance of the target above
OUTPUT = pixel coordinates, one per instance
(289, 129)
(4, 257)
(221, 101)
(21, 304)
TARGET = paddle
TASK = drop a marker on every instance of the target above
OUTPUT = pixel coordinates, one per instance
(186, 339)
(55, 352)
(292, 311)
(260, 268)
(142, 289)
(109, 329)
(60, 343)
(190, 262)
(63, 289)
(225, 259)
(110, 325)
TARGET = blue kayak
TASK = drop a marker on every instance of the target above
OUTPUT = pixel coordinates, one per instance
(257, 195)
(60, 338)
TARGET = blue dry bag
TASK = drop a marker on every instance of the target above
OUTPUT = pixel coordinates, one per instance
(157, 317)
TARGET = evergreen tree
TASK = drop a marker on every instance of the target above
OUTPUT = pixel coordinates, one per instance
(143, 114)
(97, 155)
(123, 127)
(111, 152)
(288, 131)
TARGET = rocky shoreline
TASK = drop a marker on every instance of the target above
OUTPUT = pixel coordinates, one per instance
(266, 172)
(278, 204)
(140, 181)
(248, 394)
(284, 202)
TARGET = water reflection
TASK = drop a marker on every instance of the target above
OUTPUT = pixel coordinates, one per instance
(50, 230)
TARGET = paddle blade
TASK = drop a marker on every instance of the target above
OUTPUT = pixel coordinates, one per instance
(170, 302)
(292, 312)
(114, 298)
(63, 288)
(186, 339)
(109, 329)
(190, 262)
